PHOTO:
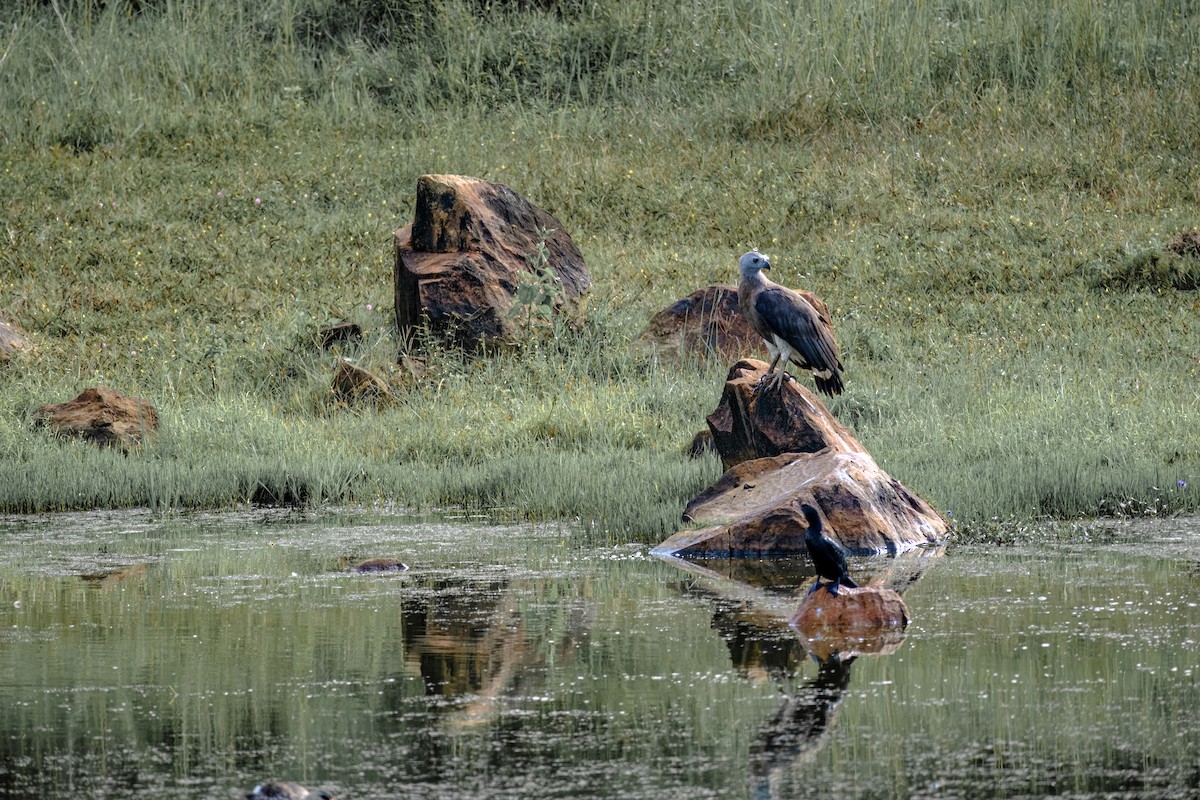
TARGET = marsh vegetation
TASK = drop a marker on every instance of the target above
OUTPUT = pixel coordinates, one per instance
(983, 192)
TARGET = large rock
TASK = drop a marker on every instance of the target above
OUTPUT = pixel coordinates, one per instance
(705, 323)
(12, 339)
(784, 449)
(460, 263)
(103, 416)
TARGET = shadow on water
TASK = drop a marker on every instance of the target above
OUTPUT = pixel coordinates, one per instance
(144, 658)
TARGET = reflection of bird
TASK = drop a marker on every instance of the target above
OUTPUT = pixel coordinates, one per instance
(286, 791)
(827, 555)
(795, 325)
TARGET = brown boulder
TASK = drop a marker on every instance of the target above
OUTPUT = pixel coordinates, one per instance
(461, 261)
(784, 449)
(103, 416)
(12, 339)
(706, 323)
(352, 384)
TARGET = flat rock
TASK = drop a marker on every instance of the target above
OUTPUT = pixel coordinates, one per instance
(103, 416)
(706, 323)
(460, 263)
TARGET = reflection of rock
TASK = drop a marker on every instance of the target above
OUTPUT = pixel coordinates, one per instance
(799, 725)
(285, 790)
(103, 416)
(459, 263)
(705, 323)
(469, 641)
(783, 448)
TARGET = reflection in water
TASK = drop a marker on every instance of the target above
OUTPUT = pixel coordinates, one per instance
(754, 624)
(798, 726)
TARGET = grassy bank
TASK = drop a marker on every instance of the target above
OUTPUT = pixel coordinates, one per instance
(983, 192)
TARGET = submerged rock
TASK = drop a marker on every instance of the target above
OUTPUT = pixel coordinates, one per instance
(103, 416)
(461, 261)
(855, 621)
(379, 565)
(783, 449)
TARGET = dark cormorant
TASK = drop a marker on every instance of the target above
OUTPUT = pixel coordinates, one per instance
(827, 555)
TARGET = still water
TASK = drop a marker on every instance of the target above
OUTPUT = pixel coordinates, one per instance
(197, 656)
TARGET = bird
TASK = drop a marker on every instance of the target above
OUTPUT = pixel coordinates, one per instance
(794, 324)
(827, 555)
(285, 790)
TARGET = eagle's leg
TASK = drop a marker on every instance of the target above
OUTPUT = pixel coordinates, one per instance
(767, 375)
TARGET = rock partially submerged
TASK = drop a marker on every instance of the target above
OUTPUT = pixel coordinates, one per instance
(103, 416)
(865, 620)
(783, 449)
(379, 565)
(286, 790)
(461, 261)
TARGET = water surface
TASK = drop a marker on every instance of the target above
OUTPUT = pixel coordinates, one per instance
(197, 656)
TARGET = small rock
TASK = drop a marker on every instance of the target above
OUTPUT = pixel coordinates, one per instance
(103, 416)
(285, 790)
(352, 385)
(340, 333)
(12, 339)
(866, 620)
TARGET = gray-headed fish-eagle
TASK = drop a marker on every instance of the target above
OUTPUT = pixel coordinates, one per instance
(794, 324)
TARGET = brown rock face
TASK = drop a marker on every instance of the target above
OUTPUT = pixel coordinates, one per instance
(706, 323)
(102, 415)
(746, 425)
(783, 449)
(459, 263)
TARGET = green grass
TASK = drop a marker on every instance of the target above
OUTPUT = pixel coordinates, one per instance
(982, 191)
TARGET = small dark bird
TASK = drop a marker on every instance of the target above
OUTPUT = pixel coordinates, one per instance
(286, 791)
(827, 555)
(795, 325)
